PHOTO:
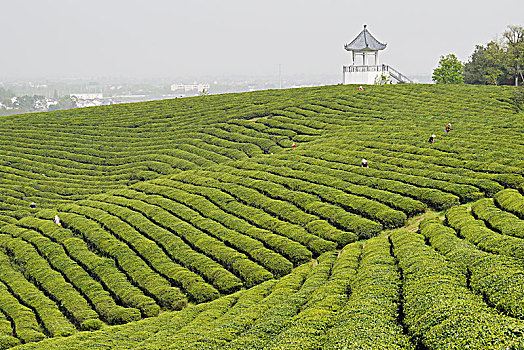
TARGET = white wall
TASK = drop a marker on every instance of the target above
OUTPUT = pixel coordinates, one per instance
(367, 78)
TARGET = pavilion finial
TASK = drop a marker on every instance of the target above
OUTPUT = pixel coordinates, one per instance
(365, 25)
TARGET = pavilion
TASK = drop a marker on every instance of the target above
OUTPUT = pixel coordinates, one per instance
(364, 49)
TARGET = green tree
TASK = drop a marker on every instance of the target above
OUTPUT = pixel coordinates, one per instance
(449, 71)
(7, 102)
(382, 79)
(67, 102)
(487, 65)
(6, 93)
(25, 103)
(498, 62)
(515, 51)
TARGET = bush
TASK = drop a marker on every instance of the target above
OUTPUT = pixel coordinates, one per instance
(500, 221)
(439, 310)
(512, 201)
(497, 278)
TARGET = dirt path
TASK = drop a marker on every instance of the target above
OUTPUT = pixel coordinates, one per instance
(413, 222)
(257, 118)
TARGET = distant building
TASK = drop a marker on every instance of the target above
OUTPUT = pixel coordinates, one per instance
(41, 105)
(190, 87)
(86, 102)
(51, 102)
(88, 96)
(367, 47)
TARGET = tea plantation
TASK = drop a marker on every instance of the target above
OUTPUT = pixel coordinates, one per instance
(195, 224)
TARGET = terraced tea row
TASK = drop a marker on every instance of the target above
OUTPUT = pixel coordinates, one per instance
(67, 155)
(277, 312)
(204, 201)
(433, 290)
(53, 157)
(482, 268)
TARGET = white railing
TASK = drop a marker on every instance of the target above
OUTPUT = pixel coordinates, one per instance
(360, 69)
(381, 68)
(397, 75)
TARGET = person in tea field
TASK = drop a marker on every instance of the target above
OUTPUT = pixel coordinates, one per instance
(448, 128)
(33, 205)
(360, 88)
(432, 139)
(294, 145)
(364, 163)
(57, 220)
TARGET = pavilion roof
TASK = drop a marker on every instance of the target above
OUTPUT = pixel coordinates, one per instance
(365, 42)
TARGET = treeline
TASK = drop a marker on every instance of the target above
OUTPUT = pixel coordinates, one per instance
(6, 93)
(499, 62)
(11, 104)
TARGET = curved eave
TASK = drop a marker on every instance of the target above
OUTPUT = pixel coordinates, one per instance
(367, 49)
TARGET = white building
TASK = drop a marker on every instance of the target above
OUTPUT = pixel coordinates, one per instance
(81, 103)
(190, 87)
(88, 96)
(364, 49)
(51, 102)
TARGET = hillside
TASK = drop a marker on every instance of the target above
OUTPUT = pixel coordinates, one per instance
(198, 215)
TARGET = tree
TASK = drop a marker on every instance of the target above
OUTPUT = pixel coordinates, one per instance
(487, 65)
(7, 102)
(6, 93)
(499, 62)
(449, 71)
(382, 79)
(67, 102)
(25, 103)
(515, 48)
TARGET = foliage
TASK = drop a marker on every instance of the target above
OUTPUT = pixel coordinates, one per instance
(6, 94)
(382, 79)
(514, 36)
(440, 309)
(511, 200)
(518, 98)
(499, 61)
(500, 220)
(449, 70)
(476, 232)
(486, 66)
(30, 103)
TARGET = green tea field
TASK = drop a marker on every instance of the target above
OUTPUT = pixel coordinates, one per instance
(246, 221)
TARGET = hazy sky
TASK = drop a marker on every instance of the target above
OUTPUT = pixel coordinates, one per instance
(161, 38)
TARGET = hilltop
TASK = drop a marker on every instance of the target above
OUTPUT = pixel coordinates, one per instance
(198, 216)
